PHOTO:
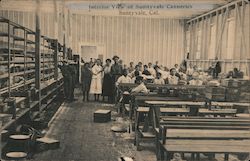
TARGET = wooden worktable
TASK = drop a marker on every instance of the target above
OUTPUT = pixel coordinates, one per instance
(174, 103)
(207, 134)
(207, 146)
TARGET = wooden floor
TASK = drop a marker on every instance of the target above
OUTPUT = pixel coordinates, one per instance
(83, 140)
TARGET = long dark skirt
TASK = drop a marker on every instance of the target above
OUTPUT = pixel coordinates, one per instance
(107, 85)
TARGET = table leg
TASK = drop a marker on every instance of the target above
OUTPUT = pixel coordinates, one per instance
(192, 156)
(147, 120)
(226, 157)
(198, 156)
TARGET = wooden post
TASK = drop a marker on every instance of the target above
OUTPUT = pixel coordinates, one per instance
(25, 54)
(56, 59)
(37, 53)
(9, 59)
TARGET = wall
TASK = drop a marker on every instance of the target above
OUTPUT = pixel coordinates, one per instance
(224, 35)
(132, 38)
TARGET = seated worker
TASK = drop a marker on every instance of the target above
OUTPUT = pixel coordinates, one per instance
(151, 70)
(124, 78)
(145, 71)
(133, 73)
(172, 78)
(136, 74)
(237, 73)
(141, 88)
(195, 81)
(230, 74)
(182, 74)
(159, 79)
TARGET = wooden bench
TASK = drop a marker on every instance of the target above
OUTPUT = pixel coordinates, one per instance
(218, 112)
(141, 133)
(202, 135)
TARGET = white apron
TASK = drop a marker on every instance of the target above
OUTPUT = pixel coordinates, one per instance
(96, 82)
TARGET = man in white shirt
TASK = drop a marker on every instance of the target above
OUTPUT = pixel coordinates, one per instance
(176, 66)
(141, 88)
(172, 78)
(151, 69)
(159, 79)
(196, 81)
(124, 78)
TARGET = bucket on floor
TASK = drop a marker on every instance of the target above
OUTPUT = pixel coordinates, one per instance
(16, 155)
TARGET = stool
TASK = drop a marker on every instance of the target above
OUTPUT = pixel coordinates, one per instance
(19, 142)
(16, 155)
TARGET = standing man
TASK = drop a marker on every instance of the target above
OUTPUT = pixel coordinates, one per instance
(66, 78)
(116, 71)
(86, 81)
(72, 81)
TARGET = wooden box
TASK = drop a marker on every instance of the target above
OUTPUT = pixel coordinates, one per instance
(215, 97)
(215, 90)
(232, 94)
(230, 83)
(245, 85)
(45, 143)
(244, 97)
(102, 116)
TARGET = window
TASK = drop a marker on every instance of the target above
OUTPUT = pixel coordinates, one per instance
(198, 49)
(211, 50)
(230, 40)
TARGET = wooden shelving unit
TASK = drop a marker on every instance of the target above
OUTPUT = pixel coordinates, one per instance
(20, 98)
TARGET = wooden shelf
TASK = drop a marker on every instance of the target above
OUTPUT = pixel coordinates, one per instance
(17, 85)
(16, 74)
(17, 55)
(17, 62)
(24, 57)
(16, 38)
(14, 50)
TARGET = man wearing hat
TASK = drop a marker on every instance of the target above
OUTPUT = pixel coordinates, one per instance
(116, 72)
(73, 79)
(66, 78)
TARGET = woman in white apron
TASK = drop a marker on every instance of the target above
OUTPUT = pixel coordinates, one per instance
(96, 83)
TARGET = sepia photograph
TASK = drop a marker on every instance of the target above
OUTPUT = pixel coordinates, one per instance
(125, 80)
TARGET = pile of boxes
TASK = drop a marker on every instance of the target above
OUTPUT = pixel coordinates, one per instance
(215, 93)
(236, 90)
(244, 91)
(232, 89)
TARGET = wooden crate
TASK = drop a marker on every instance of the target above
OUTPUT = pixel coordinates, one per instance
(45, 143)
(215, 97)
(230, 83)
(244, 97)
(102, 116)
(232, 94)
(215, 90)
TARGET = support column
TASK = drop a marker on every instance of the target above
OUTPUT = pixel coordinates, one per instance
(38, 53)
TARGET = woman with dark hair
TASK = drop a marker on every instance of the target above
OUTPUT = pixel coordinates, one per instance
(107, 81)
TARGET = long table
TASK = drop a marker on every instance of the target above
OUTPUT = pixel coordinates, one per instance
(169, 86)
(153, 114)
